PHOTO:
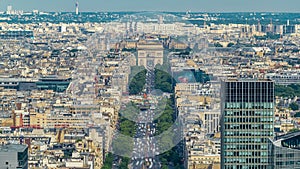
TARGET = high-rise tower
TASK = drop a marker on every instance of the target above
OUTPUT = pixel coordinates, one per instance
(77, 8)
(247, 123)
(9, 10)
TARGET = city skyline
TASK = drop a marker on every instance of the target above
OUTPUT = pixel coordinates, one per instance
(158, 84)
(155, 5)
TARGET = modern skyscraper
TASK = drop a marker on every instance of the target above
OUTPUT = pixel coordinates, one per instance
(9, 10)
(247, 107)
(285, 151)
(77, 8)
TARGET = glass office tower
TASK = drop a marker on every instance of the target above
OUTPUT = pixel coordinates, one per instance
(247, 107)
(285, 151)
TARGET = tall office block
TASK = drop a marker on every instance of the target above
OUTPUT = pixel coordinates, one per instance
(247, 123)
(9, 10)
(76, 8)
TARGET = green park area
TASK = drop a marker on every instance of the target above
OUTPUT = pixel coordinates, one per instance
(137, 79)
(287, 91)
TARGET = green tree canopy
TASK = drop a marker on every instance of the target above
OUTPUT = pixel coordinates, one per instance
(287, 91)
(164, 81)
(294, 106)
(108, 161)
(137, 79)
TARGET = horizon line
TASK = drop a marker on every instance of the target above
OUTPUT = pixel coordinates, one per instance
(165, 11)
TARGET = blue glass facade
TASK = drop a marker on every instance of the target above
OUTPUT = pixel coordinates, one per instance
(285, 151)
(247, 123)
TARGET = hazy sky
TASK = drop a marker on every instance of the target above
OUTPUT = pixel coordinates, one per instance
(157, 5)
